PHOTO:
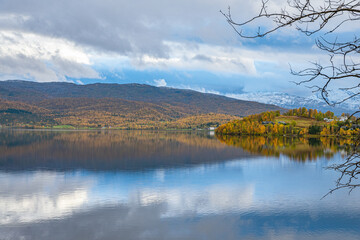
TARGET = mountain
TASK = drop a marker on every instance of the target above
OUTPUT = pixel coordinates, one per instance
(290, 101)
(122, 105)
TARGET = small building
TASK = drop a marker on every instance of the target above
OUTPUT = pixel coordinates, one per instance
(211, 128)
(343, 118)
(282, 122)
(328, 120)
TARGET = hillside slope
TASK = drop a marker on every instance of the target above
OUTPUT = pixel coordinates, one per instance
(99, 104)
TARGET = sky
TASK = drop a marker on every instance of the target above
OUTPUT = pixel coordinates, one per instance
(183, 44)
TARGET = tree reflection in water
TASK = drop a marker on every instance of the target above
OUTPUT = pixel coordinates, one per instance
(296, 148)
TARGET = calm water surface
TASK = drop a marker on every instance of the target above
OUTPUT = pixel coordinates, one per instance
(170, 185)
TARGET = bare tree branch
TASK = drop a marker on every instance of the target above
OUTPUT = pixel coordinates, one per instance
(309, 19)
(342, 69)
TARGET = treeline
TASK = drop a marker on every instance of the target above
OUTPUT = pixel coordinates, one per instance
(257, 124)
(309, 113)
(252, 127)
(334, 128)
(268, 123)
(265, 116)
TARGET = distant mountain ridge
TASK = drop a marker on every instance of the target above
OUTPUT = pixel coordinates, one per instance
(31, 92)
(291, 101)
(71, 103)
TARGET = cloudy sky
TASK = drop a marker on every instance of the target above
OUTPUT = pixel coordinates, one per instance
(184, 44)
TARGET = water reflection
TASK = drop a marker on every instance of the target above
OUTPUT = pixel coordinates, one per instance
(232, 195)
(34, 196)
(109, 150)
(296, 148)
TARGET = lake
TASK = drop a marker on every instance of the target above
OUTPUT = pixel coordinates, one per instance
(171, 185)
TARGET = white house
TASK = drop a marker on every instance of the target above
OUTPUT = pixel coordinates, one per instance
(343, 118)
(328, 120)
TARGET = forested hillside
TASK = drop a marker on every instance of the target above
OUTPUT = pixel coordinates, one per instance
(294, 122)
(24, 103)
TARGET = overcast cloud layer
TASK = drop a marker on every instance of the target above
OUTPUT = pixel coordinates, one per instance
(184, 43)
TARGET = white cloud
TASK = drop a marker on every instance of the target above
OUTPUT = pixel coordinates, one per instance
(148, 42)
(79, 82)
(203, 57)
(43, 47)
(198, 89)
(57, 41)
(34, 57)
(160, 82)
(138, 27)
(224, 60)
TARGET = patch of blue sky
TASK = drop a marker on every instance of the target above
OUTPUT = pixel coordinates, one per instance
(197, 80)
(294, 41)
(271, 77)
(291, 43)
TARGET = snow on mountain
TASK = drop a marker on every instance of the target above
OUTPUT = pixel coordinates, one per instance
(352, 103)
(291, 101)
